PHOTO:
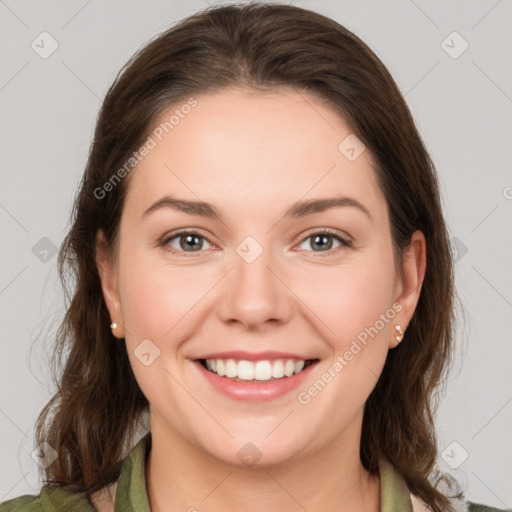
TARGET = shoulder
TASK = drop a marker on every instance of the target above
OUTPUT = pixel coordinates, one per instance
(460, 502)
(457, 504)
(48, 500)
(28, 503)
(478, 507)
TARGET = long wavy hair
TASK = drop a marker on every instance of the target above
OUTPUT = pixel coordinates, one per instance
(94, 416)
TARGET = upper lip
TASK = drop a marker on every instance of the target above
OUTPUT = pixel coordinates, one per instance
(254, 356)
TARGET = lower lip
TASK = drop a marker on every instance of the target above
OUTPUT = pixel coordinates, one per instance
(255, 390)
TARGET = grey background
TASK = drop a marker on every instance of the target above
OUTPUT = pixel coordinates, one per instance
(462, 107)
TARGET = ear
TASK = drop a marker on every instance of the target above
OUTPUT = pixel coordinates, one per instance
(414, 265)
(109, 283)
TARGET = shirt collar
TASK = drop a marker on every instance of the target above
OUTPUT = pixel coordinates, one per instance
(131, 491)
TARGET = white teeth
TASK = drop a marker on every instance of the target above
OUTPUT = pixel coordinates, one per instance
(263, 370)
(299, 365)
(231, 368)
(259, 370)
(220, 368)
(289, 368)
(278, 369)
(245, 370)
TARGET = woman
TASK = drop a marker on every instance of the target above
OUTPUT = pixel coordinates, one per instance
(263, 273)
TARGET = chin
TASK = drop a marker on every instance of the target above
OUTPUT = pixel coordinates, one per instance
(253, 452)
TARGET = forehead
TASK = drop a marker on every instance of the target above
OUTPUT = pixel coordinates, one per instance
(242, 149)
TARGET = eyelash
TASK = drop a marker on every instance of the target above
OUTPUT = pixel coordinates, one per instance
(344, 243)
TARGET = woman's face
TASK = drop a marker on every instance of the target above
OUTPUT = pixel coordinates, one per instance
(259, 279)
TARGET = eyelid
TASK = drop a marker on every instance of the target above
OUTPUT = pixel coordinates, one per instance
(342, 235)
(346, 241)
(164, 240)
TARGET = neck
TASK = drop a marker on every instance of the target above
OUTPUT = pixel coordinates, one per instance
(181, 476)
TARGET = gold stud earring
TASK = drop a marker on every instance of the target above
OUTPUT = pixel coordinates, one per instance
(400, 336)
(113, 325)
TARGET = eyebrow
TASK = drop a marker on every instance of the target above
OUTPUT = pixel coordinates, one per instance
(297, 210)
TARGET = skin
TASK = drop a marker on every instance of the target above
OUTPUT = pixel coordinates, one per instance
(252, 155)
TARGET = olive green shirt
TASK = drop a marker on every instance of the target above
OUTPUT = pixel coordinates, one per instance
(131, 494)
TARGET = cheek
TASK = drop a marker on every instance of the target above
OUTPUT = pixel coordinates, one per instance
(158, 304)
(349, 298)
(354, 311)
(159, 299)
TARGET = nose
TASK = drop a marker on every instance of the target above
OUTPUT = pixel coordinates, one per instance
(254, 293)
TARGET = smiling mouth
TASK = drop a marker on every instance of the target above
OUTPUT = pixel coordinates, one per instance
(257, 371)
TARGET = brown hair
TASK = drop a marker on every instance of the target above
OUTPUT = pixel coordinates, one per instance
(93, 417)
